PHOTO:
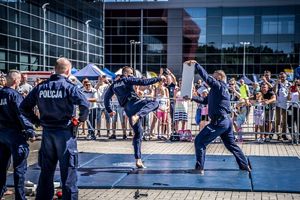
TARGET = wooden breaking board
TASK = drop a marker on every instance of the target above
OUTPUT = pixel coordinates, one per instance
(187, 80)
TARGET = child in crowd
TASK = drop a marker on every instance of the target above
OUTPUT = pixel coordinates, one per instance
(258, 115)
(204, 111)
(240, 117)
(181, 108)
(162, 112)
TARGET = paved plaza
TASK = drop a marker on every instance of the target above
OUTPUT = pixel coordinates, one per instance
(161, 147)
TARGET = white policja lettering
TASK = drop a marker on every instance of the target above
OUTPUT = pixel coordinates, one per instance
(53, 94)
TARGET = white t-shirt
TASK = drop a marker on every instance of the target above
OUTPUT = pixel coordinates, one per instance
(101, 93)
(91, 94)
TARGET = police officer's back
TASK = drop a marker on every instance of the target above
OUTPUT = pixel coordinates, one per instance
(15, 129)
(56, 99)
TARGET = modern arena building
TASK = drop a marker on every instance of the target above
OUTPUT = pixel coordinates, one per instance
(150, 34)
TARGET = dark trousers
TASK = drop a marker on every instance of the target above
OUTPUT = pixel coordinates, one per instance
(293, 120)
(92, 117)
(140, 108)
(13, 143)
(58, 145)
(223, 128)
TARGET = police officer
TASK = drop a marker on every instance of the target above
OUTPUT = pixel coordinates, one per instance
(135, 108)
(55, 99)
(15, 129)
(218, 101)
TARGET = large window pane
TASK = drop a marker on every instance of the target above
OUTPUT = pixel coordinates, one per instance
(246, 25)
(273, 24)
(286, 24)
(230, 25)
(238, 25)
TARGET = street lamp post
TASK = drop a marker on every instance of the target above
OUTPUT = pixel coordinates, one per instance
(44, 35)
(244, 57)
(87, 41)
(134, 58)
(131, 43)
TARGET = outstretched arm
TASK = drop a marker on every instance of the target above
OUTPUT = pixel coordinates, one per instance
(139, 81)
(211, 81)
(201, 100)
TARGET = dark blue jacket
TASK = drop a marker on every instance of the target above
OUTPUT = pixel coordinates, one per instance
(55, 99)
(123, 89)
(10, 116)
(218, 98)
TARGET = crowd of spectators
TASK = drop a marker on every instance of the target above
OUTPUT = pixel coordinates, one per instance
(273, 104)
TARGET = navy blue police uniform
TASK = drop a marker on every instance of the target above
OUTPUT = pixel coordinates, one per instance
(15, 129)
(218, 101)
(133, 105)
(56, 99)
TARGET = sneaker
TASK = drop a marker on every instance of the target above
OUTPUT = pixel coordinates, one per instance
(91, 137)
(112, 137)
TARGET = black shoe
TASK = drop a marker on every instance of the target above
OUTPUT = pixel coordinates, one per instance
(125, 137)
(112, 137)
(279, 138)
(284, 137)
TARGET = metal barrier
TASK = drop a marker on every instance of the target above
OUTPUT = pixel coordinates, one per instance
(253, 121)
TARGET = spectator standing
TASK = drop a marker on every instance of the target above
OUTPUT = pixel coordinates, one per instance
(91, 95)
(266, 79)
(294, 117)
(244, 90)
(2, 81)
(259, 116)
(171, 85)
(269, 98)
(181, 108)
(101, 87)
(162, 112)
(281, 90)
(24, 87)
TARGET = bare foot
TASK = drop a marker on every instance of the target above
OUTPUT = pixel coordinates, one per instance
(8, 192)
(134, 119)
(139, 164)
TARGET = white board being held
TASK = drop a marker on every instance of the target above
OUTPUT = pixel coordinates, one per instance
(187, 80)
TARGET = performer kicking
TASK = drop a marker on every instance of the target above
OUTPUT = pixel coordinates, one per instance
(135, 108)
(218, 101)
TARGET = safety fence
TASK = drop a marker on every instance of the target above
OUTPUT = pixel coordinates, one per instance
(251, 120)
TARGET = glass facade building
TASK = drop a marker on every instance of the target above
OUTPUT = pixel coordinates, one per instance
(70, 27)
(174, 31)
